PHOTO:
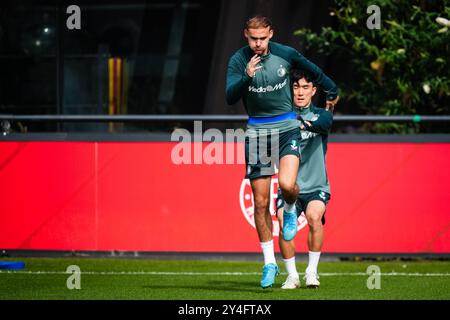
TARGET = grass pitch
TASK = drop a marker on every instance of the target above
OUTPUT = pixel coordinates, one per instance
(217, 280)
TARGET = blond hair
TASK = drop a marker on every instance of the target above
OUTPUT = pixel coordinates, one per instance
(257, 22)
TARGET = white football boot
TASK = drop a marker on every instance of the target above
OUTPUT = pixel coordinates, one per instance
(291, 283)
(312, 280)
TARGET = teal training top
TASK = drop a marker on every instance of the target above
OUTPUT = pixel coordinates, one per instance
(312, 175)
(269, 92)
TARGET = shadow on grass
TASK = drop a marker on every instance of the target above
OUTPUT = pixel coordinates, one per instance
(227, 286)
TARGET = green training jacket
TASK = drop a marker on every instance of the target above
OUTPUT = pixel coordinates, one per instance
(269, 92)
(312, 175)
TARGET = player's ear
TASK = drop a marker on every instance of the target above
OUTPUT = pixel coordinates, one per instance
(270, 34)
(246, 33)
(314, 89)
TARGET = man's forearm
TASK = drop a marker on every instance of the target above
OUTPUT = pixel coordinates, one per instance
(322, 125)
(236, 86)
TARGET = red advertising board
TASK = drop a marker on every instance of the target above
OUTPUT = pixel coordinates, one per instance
(386, 198)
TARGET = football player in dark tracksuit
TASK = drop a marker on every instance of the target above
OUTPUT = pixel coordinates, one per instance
(315, 124)
(259, 75)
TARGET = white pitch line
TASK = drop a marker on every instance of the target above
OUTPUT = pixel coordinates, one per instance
(157, 273)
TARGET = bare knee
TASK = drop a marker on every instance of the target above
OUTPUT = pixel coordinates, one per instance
(289, 190)
(315, 221)
(261, 205)
(287, 185)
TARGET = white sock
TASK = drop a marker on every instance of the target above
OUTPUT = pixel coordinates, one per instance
(268, 252)
(289, 207)
(290, 267)
(313, 262)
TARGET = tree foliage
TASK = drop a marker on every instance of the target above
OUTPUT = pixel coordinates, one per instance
(400, 68)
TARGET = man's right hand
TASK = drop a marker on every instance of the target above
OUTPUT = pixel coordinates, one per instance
(331, 103)
(251, 66)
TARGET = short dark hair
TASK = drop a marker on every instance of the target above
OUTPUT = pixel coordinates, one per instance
(297, 74)
(258, 21)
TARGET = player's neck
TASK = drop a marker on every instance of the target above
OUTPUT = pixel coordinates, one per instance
(306, 107)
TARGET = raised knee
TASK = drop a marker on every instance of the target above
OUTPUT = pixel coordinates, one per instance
(286, 185)
(289, 188)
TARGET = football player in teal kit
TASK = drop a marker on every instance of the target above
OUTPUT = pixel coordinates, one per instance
(259, 75)
(315, 124)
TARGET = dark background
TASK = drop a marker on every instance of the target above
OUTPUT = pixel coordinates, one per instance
(176, 54)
